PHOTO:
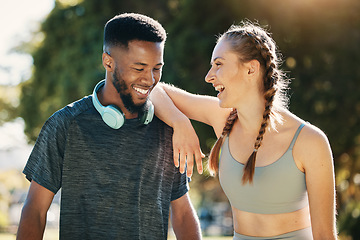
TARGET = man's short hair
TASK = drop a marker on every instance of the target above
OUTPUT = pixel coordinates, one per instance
(125, 27)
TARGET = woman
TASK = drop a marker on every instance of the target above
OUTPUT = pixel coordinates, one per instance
(276, 169)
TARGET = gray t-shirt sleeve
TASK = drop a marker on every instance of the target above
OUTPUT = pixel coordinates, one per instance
(180, 185)
(44, 165)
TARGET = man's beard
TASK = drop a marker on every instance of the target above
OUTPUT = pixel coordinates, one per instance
(126, 98)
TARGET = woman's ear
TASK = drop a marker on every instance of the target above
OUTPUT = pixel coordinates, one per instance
(253, 67)
(108, 62)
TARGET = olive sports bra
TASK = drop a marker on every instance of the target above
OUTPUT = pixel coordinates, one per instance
(277, 188)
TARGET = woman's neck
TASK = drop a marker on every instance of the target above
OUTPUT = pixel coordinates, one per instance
(250, 115)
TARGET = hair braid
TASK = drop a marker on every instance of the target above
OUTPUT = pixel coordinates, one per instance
(214, 154)
(270, 91)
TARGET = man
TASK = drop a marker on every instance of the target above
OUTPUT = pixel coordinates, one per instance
(111, 160)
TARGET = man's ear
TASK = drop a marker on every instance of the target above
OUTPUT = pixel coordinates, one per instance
(108, 62)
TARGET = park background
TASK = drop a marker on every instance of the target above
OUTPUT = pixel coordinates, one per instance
(318, 39)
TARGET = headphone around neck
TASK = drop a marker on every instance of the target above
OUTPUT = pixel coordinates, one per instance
(113, 116)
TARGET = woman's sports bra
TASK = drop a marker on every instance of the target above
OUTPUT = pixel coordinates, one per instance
(279, 187)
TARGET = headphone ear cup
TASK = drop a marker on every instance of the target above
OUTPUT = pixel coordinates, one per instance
(148, 115)
(113, 117)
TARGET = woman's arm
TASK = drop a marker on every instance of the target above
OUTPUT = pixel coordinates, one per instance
(316, 157)
(185, 141)
(174, 106)
(201, 108)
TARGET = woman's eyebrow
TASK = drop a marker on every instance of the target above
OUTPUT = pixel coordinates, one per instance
(216, 59)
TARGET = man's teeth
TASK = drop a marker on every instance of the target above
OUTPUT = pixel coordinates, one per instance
(140, 90)
(219, 88)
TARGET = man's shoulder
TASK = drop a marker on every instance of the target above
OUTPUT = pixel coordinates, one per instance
(162, 125)
(66, 114)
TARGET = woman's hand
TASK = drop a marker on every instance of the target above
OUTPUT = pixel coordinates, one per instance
(186, 147)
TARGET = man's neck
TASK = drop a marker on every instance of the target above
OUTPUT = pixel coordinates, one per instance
(108, 95)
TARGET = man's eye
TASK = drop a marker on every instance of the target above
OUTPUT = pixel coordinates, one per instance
(157, 69)
(217, 64)
(138, 69)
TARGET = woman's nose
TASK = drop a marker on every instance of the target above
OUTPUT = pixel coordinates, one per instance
(209, 76)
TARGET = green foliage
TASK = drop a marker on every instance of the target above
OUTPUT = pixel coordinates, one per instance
(7, 112)
(66, 65)
(319, 41)
(349, 221)
(8, 103)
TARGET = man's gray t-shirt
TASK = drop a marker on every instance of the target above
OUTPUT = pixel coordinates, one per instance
(115, 184)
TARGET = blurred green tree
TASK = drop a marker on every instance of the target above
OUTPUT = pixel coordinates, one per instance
(9, 102)
(319, 41)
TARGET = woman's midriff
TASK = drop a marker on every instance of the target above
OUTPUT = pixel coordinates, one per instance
(266, 225)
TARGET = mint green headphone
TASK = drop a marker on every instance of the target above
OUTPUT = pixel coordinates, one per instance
(113, 116)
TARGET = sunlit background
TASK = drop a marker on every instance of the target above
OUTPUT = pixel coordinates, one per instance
(50, 55)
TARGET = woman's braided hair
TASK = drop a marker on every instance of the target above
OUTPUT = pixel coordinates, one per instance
(251, 42)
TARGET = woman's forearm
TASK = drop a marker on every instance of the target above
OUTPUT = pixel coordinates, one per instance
(165, 108)
(186, 144)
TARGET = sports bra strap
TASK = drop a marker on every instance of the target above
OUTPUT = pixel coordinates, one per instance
(295, 136)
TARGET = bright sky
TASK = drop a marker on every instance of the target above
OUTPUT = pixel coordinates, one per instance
(18, 19)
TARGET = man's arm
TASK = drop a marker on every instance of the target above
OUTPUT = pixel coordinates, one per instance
(33, 216)
(184, 220)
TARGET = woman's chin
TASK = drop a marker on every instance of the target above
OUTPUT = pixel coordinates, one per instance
(222, 104)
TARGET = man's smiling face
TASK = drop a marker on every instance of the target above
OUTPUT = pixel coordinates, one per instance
(137, 70)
